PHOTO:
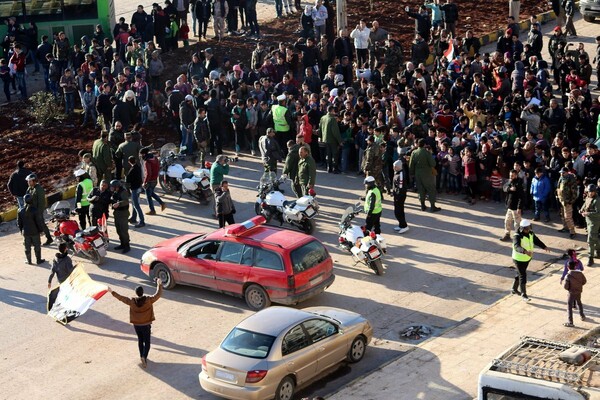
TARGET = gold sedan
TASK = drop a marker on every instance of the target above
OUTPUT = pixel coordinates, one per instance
(278, 350)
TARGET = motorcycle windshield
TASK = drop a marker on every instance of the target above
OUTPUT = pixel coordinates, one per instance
(346, 215)
(60, 205)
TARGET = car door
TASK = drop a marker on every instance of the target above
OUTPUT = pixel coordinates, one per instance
(298, 356)
(197, 265)
(330, 344)
(233, 266)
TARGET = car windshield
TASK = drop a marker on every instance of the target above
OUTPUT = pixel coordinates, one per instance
(248, 344)
(185, 245)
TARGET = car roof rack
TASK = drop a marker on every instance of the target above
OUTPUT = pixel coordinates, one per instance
(539, 358)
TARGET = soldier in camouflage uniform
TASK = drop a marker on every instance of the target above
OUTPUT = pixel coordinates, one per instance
(566, 191)
(393, 57)
(592, 219)
(372, 164)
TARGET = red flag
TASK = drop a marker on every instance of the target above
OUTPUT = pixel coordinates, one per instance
(449, 53)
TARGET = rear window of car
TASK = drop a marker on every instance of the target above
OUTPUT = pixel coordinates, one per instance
(247, 343)
(308, 256)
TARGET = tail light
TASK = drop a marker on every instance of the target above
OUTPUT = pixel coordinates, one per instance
(255, 376)
(373, 235)
(341, 239)
(204, 367)
(263, 205)
(291, 281)
(311, 192)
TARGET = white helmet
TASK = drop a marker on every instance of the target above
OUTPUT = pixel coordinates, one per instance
(369, 179)
(525, 223)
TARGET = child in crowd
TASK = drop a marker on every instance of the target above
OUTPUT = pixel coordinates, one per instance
(444, 164)
(574, 282)
(454, 181)
(497, 183)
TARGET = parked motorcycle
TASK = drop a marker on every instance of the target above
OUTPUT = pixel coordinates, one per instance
(90, 243)
(173, 177)
(271, 203)
(366, 247)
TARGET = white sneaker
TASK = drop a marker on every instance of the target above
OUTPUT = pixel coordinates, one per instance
(397, 228)
(403, 230)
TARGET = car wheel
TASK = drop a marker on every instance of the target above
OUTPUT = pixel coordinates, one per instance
(257, 208)
(357, 349)
(285, 390)
(162, 272)
(256, 297)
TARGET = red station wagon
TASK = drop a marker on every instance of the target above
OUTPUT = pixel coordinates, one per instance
(260, 263)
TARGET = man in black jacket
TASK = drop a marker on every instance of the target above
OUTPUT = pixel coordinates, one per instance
(422, 21)
(450, 11)
(17, 185)
(515, 195)
(29, 225)
(134, 180)
(62, 265)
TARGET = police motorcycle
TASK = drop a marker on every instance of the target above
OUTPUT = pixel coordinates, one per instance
(271, 203)
(366, 247)
(90, 243)
(173, 177)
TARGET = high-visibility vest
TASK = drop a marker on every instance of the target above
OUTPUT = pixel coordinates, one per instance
(378, 208)
(526, 244)
(86, 185)
(279, 120)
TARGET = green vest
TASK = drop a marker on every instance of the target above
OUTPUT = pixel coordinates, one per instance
(526, 244)
(86, 185)
(279, 120)
(378, 208)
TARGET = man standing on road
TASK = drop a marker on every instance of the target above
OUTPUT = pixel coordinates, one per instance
(62, 265)
(17, 184)
(330, 135)
(307, 170)
(30, 228)
(102, 157)
(591, 213)
(291, 164)
(100, 199)
(120, 206)
(522, 252)
(421, 166)
(128, 148)
(224, 205)
(141, 315)
(515, 194)
(372, 162)
(566, 192)
(151, 171)
(373, 207)
(39, 204)
(218, 170)
(282, 121)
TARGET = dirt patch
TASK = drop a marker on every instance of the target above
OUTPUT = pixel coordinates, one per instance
(52, 151)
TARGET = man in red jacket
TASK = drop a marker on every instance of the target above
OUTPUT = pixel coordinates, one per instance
(151, 167)
(18, 59)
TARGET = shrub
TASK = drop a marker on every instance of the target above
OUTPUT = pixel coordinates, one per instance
(45, 108)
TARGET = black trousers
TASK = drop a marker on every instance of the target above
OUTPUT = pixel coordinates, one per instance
(225, 218)
(521, 277)
(574, 298)
(399, 200)
(373, 222)
(143, 334)
(84, 216)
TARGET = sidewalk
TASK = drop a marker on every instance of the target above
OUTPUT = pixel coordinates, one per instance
(447, 367)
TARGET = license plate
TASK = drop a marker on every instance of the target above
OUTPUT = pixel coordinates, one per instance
(98, 242)
(224, 376)
(316, 280)
(374, 253)
(205, 183)
(309, 212)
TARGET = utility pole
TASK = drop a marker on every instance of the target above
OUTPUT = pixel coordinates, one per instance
(514, 9)
(341, 14)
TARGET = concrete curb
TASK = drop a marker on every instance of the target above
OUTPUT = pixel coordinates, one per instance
(67, 193)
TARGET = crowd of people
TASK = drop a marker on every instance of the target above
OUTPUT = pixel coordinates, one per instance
(502, 126)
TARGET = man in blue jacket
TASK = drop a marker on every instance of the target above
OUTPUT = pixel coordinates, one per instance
(541, 187)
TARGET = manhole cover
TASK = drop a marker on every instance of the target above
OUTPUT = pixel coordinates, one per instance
(416, 332)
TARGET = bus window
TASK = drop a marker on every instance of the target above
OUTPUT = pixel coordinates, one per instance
(39, 7)
(81, 9)
(10, 8)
